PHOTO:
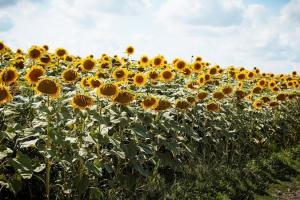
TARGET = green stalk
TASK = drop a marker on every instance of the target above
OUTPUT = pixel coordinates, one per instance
(48, 160)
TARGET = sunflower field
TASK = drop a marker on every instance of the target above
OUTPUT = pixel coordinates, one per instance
(113, 127)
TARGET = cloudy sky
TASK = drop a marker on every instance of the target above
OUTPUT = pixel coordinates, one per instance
(264, 33)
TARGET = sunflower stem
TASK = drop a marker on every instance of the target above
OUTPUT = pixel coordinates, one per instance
(48, 160)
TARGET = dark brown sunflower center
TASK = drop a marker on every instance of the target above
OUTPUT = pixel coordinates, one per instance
(47, 87)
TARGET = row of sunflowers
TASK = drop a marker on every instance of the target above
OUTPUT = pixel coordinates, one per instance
(123, 80)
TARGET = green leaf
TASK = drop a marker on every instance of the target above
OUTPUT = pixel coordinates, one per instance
(22, 164)
(30, 143)
(4, 152)
(138, 129)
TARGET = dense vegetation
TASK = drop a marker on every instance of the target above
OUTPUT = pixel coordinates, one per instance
(116, 128)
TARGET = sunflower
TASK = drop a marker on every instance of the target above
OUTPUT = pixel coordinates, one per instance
(48, 86)
(213, 107)
(182, 104)
(120, 74)
(5, 95)
(197, 66)
(187, 71)
(85, 82)
(241, 76)
(34, 52)
(240, 94)
(180, 65)
(153, 75)
(61, 52)
(275, 89)
(258, 104)
(191, 100)
(213, 70)
(144, 61)
(130, 50)
(45, 59)
(281, 97)
(102, 74)
(257, 90)
(227, 89)
(201, 79)
(162, 105)
(69, 75)
(273, 104)
(2, 47)
(9, 75)
(191, 85)
(167, 75)
(94, 82)
(265, 99)
(218, 95)
(240, 84)
(202, 95)
(34, 73)
(139, 79)
(88, 64)
(108, 90)
(250, 75)
(207, 77)
(123, 97)
(149, 102)
(82, 101)
(262, 82)
(69, 58)
(198, 59)
(158, 61)
(272, 83)
(106, 64)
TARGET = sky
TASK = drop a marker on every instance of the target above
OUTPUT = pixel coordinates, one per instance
(248, 33)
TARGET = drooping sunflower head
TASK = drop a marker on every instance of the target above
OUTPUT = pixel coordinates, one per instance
(45, 59)
(257, 104)
(227, 89)
(153, 75)
(182, 104)
(257, 89)
(139, 79)
(9, 75)
(144, 61)
(69, 75)
(94, 82)
(108, 90)
(5, 95)
(34, 73)
(123, 97)
(149, 102)
(166, 75)
(130, 50)
(88, 64)
(34, 52)
(162, 105)
(61, 52)
(218, 95)
(48, 87)
(213, 107)
(120, 74)
(82, 101)
(202, 95)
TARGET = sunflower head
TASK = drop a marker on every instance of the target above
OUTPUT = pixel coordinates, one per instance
(139, 79)
(241, 76)
(218, 95)
(197, 66)
(2, 47)
(250, 74)
(144, 61)
(82, 101)
(201, 79)
(213, 70)
(262, 82)
(34, 52)
(198, 59)
(162, 105)
(240, 94)
(69, 75)
(281, 97)
(167, 75)
(258, 104)
(187, 71)
(213, 107)
(191, 100)
(202, 95)
(34, 73)
(61, 52)
(9, 75)
(265, 99)
(130, 50)
(120, 74)
(180, 65)
(48, 87)
(108, 90)
(88, 64)
(158, 61)
(273, 104)
(5, 95)
(94, 82)
(85, 82)
(153, 75)
(257, 89)
(123, 97)
(182, 104)
(45, 59)
(227, 89)
(149, 102)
